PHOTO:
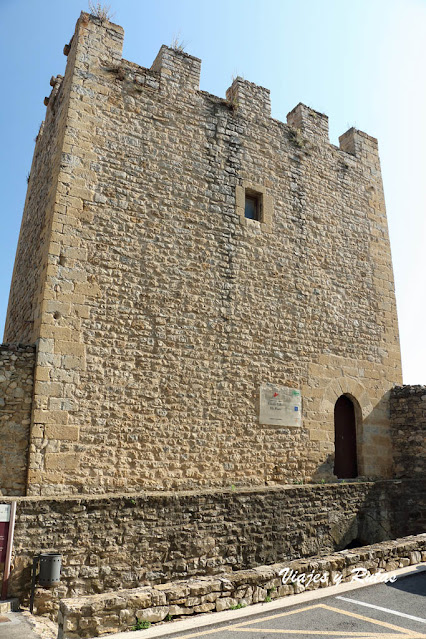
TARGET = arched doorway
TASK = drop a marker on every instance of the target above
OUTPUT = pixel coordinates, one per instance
(345, 455)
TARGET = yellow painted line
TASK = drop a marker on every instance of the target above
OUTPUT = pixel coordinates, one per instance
(382, 624)
(326, 633)
(206, 632)
(402, 632)
(281, 614)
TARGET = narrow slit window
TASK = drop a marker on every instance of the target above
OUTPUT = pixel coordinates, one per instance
(253, 206)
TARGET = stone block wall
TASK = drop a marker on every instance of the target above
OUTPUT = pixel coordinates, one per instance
(16, 391)
(97, 615)
(126, 541)
(408, 422)
(159, 310)
(28, 299)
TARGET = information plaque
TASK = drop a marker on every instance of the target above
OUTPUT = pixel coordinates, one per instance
(280, 405)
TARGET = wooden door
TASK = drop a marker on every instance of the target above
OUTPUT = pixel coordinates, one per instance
(345, 458)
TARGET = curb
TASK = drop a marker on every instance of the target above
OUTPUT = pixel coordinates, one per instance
(209, 619)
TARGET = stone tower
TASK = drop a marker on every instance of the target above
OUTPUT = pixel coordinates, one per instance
(191, 271)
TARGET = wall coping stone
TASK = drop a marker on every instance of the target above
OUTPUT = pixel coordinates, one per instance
(20, 348)
(242, 490)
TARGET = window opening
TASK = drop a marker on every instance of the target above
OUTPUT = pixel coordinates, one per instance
(253, 208)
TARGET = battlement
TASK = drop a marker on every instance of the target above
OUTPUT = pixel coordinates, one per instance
(178, 70)
(310, 123)
(179, 254)
(178, 67)
(361, 145)
(249, 99)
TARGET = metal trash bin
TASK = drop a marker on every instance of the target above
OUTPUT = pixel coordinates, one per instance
(50, 569)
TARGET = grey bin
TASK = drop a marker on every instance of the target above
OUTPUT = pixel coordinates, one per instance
(50, 569)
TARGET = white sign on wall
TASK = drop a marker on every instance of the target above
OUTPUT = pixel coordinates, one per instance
(4, 512)
(280, 405)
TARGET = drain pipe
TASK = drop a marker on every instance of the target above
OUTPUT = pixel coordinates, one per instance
(9, 547)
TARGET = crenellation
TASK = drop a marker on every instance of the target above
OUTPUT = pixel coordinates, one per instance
(361, 145)
(309, 123)
(249, 99)
(160, 308)
(177, 68)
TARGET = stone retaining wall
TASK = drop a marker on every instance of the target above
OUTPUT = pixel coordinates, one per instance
(118, 611)
(408, 429)
(16, 389)
(126, 541)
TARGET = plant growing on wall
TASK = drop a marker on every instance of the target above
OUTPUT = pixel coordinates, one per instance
(101, 11)
(178, 44)
(141, 624)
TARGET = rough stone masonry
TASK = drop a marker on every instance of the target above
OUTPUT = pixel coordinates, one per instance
(126, 541)
(159, 309)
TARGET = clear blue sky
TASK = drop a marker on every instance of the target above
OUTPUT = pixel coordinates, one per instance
(361, 62)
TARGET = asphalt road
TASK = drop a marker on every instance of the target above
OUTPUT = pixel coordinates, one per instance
(388, 611)
(13, 625)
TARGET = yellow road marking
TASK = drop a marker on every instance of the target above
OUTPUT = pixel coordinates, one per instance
(382, 624)
(329, 633)
(401, 633)
(281, 614)
(206, 632)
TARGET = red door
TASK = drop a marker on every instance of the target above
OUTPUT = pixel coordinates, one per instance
(4, 530)
(345, 458)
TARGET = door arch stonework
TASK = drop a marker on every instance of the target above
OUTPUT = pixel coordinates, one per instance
(353, 389)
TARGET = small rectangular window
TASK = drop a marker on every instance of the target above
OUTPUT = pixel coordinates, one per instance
(252, 209)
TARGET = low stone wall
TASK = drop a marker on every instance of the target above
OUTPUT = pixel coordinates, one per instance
(408, 427)
(126, 541)
(16, 390)
(97, 615)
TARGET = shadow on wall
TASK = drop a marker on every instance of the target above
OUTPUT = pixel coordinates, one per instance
(134, 540)
(408, 424)
(370, 525)
(362, 440)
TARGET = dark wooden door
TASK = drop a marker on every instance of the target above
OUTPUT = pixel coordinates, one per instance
(345, 458)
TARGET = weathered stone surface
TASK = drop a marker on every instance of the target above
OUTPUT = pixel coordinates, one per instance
(160, 309)
(125, 541)
(408, 422)
(225, 603)
(16, 388)
(75, 614)
(153, 614)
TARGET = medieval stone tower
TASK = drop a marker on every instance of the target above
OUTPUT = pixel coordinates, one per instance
(209, 290)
